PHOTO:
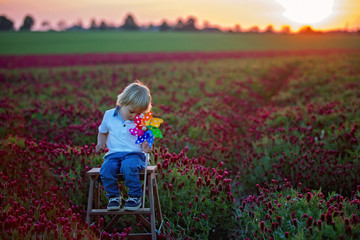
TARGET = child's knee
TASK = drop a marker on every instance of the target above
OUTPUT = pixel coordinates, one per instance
(108, 172)
(132, 164)
(127, 169)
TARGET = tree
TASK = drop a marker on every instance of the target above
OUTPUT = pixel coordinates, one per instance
(28, 23)
(130, 23)
(237, 28)
(79, 24)
(151, 27)
(254, 29)
(6, 24)
(61, 25)
(93, 25)
(190, 24)
(179, 25)
(45, 25)
(164, 26)
(306, 30)
(285, 29)
(269, 29)
(103, 26)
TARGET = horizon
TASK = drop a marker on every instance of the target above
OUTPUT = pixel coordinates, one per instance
(322, 15)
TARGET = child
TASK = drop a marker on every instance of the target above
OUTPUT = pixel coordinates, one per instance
(124, 155)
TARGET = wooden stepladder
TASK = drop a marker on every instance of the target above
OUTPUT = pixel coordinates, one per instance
(93, 207)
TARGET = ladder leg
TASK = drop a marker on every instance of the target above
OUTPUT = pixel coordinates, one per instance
(152, 207)
(97, 197)
(90, 200)
(157, 203)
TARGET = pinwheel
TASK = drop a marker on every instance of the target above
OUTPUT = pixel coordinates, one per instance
(146, 128)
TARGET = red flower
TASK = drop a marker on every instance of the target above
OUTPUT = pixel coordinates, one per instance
(273, 226)
(354, 219)
(295, 222)
(328, 218)
(319, 223)
(309, 221)
(262, 226)
(348, 229)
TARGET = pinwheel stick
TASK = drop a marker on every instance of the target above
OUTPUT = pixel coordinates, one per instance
(145, 177)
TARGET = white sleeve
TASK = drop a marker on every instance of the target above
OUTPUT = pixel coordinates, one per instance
(103, 128)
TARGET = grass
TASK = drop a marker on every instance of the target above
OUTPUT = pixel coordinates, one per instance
(26, 43)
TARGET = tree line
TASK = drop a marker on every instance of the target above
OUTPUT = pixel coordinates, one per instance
(188, 24)
(129, 24)
(8, 25)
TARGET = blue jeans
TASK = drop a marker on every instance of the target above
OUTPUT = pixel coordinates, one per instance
(127, 163)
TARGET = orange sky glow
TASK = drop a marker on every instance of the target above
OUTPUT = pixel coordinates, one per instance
(320, 14)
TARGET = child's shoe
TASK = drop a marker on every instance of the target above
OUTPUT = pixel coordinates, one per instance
(114, 204)
(132, 204)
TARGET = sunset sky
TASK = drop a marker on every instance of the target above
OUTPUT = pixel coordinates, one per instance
(320, 14)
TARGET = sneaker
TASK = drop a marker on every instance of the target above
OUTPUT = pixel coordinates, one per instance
(114, 204)
(132, 204)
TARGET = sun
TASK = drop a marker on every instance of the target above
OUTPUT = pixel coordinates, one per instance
(307, 11)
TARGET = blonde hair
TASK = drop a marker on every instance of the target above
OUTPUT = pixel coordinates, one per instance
(137, 96)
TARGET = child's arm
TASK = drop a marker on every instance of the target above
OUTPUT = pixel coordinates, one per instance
(101, 142)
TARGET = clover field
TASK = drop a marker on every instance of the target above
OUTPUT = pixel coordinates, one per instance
(264, 147)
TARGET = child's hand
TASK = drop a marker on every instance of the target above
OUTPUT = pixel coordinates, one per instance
(100, 147)
(145, 147)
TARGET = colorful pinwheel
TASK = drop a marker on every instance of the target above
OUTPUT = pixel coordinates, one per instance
(146, 128)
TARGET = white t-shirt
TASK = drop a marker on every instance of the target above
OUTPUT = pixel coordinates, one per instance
(119, 138)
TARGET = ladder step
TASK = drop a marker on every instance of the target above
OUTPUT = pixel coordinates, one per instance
(120, 212)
